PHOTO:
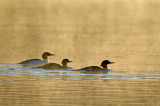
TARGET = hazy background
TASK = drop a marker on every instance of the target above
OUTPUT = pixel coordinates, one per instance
(85, 31)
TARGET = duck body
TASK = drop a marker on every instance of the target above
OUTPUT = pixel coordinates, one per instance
(52, 66)
(93, 69)
(36, 62)
(33, 62)
(55, 66)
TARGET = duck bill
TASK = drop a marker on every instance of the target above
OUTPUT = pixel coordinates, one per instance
(111, 62)
(52, 55)
(69, 61)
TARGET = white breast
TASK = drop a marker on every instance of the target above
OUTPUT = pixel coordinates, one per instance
(110, 70)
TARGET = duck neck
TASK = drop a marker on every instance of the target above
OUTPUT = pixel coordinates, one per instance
(44, 57)
(105, 67)
(65, 66)
(45, 60)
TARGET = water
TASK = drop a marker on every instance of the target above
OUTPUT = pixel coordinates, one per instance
(86, 32)
(28, 86)
(10, 74)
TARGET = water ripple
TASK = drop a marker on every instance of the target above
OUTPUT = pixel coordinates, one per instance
(15, 73)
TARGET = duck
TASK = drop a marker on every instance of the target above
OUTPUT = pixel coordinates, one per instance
(97, 69)
(37, 62)
(55, 66)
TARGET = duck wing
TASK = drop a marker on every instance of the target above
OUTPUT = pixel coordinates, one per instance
(51, 66)
(91, 68)
(30, 61)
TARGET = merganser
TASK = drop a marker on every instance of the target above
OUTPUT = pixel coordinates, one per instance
(37, 62)
(55, 66)
(97, 69)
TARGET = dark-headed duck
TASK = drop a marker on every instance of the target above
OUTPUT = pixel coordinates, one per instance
(96, 69)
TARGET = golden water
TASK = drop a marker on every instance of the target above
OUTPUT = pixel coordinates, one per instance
(86, 32)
